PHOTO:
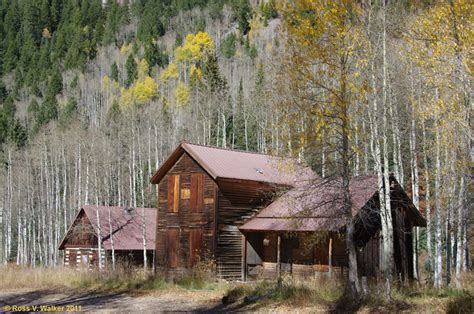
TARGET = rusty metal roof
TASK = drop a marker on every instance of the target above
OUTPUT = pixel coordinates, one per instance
(319, 206)
(239, 165)
(127, 226)
(316, 206)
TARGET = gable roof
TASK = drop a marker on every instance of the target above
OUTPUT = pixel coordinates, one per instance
(319, 206)
(127, 226)
(221, 163)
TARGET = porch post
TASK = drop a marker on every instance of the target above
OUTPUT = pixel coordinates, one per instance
(330, 257)
(244, 258)
(278, 257)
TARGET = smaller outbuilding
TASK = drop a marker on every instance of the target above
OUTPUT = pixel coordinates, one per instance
(124, 231)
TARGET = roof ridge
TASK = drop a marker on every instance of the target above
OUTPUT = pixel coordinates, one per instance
(235, 150)
(121, 207)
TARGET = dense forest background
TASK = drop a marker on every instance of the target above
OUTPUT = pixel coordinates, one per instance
(94, 95)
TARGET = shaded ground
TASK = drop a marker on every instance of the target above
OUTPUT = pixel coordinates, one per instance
(198, 301)
(132, 302)
(99, 301)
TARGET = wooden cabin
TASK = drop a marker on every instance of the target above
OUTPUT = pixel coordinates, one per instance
(120, 227)
(204, 195)
(303, 231)
(223, 205)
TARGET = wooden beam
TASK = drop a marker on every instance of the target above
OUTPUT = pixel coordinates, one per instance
(278, 257)
(330, 257)
(244, 258)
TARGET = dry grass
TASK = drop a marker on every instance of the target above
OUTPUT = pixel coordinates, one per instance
(288, 293)
(13, 277)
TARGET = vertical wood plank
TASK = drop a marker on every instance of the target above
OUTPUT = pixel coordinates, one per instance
(172, 246)
(195, 246)
(197, 192)
(170, 193)
(176, 194)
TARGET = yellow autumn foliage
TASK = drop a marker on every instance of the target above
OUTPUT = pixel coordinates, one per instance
(142, 68)
(195, 73)
(144, 90)
(125, 49)
(171, 72)
(440, 43)
(105, 82)
(182, 94)
(195, 47)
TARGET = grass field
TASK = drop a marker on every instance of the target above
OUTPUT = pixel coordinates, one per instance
(287, 294)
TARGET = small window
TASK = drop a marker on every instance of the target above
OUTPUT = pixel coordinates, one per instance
(197, 192)
(185, 194)
(173, 193)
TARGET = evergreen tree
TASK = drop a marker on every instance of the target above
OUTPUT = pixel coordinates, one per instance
(45, 16)
(228, 46)
(244, 13)
(55, 85)
(150, 26)
(3, 92)
(68, 113)
(114, 72)
(131, 68)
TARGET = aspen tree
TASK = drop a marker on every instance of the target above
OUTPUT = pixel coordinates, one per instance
(321, 33)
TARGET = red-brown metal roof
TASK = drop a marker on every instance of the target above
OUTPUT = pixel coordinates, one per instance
(239, 165)
(127, 226)
(317, 206)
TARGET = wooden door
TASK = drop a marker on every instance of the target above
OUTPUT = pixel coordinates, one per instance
(172, 247)
(195, 246)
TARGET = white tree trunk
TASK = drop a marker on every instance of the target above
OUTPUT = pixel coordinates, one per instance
(427, 200)
(145, 264)
(99, 239)
(438, 262)
(111, 234)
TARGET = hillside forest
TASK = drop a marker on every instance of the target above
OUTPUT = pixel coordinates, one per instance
(94, 95)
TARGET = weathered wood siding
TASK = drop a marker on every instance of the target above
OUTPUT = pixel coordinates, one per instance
(237, 202)
(186, 215)
(301, 255)
(82, 233)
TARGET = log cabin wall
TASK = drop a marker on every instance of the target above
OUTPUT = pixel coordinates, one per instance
(185, 220)
(82, 257)
(80, 250)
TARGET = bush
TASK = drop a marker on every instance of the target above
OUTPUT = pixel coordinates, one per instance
(228, 46)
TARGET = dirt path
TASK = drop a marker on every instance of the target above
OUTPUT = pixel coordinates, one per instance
(109, 302)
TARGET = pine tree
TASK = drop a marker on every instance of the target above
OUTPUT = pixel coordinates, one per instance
(114, 72)
(131, 68)
(244, 12)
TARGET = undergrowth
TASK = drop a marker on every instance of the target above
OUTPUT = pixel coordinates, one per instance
(288, 291)
(12, 277)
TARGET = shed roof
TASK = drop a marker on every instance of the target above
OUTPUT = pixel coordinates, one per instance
(319, 207)
(127, 226)
(221, 163)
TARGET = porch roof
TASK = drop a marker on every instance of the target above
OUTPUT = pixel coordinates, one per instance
(319, 206)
